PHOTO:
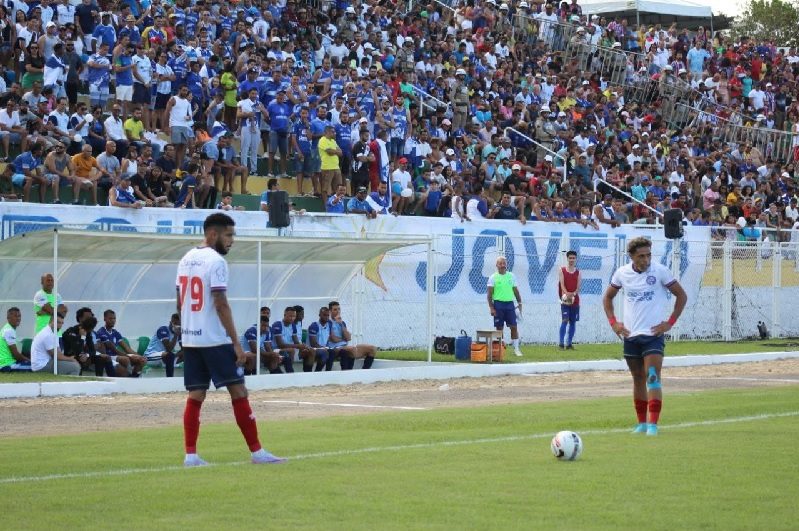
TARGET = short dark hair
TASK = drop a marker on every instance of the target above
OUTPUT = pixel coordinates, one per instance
(218, 221)
(108, 312)
(571, 253)
(265, 308)
(12, 310)
(290, 309)
(637, 243)
(299, 309)
(331, 304)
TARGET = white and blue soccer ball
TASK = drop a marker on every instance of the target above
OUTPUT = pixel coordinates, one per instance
(567, 446)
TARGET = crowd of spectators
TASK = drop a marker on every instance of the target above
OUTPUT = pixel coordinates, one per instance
(483, 110)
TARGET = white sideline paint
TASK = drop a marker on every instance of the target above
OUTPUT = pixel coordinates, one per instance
(330, 404)
(378, 449)
(391, 371)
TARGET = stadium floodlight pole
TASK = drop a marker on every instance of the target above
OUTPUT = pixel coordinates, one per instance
(258, 321)
(55, 298)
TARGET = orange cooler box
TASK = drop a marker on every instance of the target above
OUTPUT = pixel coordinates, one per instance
(480, 352)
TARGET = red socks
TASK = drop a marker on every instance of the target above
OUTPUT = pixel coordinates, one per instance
(191, 424)
(654, 411)
(640, 410)
(246, 421)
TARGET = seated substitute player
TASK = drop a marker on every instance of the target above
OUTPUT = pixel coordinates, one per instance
(646, 286)
(109, 341)
(569, 284)
(11, 357)
(285, 338)
(340, 338)
(164, 347)
(501, 292)
(79, 341)
(318, 338)
(269, 358)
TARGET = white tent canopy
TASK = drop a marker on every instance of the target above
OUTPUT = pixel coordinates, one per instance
(668, 11)
(134, 274)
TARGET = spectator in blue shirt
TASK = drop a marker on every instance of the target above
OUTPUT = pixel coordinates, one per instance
(336, 203)
(359, 204)
(27, 173)
(279, 113)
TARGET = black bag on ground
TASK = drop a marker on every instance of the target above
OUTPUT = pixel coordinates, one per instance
(444, 345)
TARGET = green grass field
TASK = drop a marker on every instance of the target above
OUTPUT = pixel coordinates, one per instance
(605, 351)
(723, 460)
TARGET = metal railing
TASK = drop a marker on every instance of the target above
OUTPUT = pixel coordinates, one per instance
(541, 146)
(422, 95)
(631, 198)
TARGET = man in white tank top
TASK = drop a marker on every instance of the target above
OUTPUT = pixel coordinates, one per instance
(646, 288)
(180, 123)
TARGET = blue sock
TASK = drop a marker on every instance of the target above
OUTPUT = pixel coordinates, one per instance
(562, 331)
(169, 364)
(572, 327)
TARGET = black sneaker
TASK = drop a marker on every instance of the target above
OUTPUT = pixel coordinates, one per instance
(569, 347)
(76, 202)
(561, 347)
(57, 202)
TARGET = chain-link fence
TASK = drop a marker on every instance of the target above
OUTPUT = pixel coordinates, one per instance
(732, 285)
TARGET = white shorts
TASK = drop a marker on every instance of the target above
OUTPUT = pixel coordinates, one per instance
(125, 92)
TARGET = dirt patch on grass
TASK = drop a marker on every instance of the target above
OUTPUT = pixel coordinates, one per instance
(49, 416)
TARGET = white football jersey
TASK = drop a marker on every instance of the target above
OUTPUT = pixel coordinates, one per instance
(201, 271)
(645, 296)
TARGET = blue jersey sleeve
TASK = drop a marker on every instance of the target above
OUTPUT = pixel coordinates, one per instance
(313, 330)
(251, 334)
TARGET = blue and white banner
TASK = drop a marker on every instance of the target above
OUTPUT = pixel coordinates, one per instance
(395, 287)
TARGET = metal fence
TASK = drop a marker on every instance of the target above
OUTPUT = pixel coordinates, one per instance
(732, 285)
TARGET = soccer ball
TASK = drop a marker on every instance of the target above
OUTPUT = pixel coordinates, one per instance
(567, 299)
(567, 446)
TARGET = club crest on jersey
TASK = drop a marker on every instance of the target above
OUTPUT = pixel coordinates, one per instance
(651, 280)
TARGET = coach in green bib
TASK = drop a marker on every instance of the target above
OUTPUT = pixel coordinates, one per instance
(43, 302)
(502, 292)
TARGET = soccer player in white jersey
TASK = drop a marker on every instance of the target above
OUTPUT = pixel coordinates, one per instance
(210, 346)
(646, 288)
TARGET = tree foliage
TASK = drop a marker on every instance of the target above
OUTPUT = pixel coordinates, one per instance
(766, 20)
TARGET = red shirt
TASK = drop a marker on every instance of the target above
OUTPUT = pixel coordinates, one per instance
(570, 281)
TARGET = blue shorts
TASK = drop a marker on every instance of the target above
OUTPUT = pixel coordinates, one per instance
(316, 161)
(202, 365)
(570, 312)
(18, 179)
(504, 314)
(278, 140)
(304, 166)
(396, 188)
(639, 347)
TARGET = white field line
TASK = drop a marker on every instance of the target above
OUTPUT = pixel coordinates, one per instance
(739, 378)
(302, 403)
(377, 449)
